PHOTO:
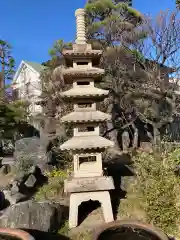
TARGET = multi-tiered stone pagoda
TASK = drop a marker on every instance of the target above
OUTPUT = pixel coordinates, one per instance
(87, 182)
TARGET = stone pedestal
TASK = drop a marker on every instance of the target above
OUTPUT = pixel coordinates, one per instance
(88, 184)
(77, 198)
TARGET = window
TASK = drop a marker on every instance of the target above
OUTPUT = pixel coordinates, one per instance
(82, 63)
(86, 129)
(87, 159)
(84, 105)
(83, 83)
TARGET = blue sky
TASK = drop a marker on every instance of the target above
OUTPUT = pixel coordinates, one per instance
(31, 27)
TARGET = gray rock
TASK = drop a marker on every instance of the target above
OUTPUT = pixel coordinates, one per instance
(42, 216)
(8, 161)
(29, 152)
(14, 188)
(14, 198)
(32, 170)
(31, 181)
(4, 170)
(20, 176)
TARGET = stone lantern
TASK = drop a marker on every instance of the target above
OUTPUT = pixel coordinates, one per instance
(87, 181)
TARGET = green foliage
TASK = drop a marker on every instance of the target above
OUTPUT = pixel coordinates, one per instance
(58, 47)
(106, 19)
(178, 3)
(6, 60)
(11, 113)
(175, 156)
(138, 56)
(64, 230)
(106, 7)
(83, 236)
(56, 173)
(52, 191)
(132, 80)
(157, 189)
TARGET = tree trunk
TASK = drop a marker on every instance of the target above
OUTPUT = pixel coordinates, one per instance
(157, 138)
(113, 134)
(135, 138)
(2, 77)
(125, 141)
(115, 151)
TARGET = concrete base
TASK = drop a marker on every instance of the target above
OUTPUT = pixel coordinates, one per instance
(77, 198)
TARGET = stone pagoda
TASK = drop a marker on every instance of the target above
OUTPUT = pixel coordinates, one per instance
(87, 182)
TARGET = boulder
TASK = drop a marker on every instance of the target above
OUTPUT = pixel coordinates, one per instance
(43, 216)
(31, 181)
(4, 170)
(14, 198)
(21, 177)
(32, 170)
(29, 152)
(28, 182)
(15, 187)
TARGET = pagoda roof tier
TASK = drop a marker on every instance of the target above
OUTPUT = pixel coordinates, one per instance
(86, 117)
(82, 51)
(71, 73)
(86, 143)
(84, 92)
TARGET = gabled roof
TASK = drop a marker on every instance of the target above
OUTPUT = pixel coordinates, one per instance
(37, 67)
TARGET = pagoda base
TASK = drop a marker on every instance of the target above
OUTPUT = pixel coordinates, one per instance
(77, 198)
(88, 184)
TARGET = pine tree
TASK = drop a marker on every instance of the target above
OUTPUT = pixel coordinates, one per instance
(11, 112)
(178, 4)
(111, 21)
(7, 64)
(136, 97)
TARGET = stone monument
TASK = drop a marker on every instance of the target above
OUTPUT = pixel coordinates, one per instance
(87, 182)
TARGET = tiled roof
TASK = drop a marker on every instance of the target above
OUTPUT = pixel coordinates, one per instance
(82, 50)
(89, 116)
(80, 72)
(86, 142)
(84, 92)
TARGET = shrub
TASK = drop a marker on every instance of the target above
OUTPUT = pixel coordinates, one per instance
(175, 156)
(54, 190)
(156, 189)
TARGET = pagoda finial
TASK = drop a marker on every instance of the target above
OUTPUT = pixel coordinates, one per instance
(80, 26)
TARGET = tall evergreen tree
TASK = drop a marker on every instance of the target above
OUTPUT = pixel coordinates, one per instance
(7, 64)
(119, 29)
(178, 3)
(111, 21)
(114, 27)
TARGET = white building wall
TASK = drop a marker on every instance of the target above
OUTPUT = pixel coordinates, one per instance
(28, 85)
